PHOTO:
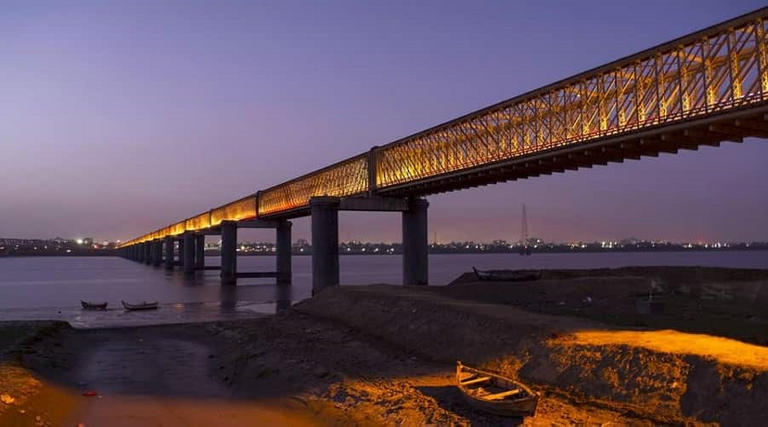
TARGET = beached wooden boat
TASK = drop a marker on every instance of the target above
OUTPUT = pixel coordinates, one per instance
(93, 305)
(494, 393)
(507, 276)
(142, 306)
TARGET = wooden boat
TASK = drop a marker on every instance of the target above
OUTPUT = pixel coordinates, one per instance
(507, 276)
(495, 394)
(142, 306)
(93, 305)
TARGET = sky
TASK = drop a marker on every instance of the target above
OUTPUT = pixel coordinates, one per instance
(118, 118)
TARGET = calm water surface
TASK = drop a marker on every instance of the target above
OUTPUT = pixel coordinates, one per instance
(52, 287)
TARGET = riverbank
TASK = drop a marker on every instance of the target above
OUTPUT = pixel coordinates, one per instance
(373, 355)
(295, 369)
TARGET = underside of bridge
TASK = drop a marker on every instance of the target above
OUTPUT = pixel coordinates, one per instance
(705, 88)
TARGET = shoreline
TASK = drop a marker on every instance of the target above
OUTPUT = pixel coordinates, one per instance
(379, 354)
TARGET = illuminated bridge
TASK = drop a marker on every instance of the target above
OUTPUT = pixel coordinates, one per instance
(701, 89)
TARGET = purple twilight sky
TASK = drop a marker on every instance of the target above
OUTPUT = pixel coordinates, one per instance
(117, 118)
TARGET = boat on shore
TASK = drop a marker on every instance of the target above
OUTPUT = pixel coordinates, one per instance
(507, 275)
(494, 393)
(141, 306)
(93, 305)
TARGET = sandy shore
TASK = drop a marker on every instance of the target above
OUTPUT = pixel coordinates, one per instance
(385, 355)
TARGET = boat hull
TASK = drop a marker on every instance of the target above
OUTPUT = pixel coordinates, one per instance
(144, 306)
(520, 400)
(507, 276)
(94, 306)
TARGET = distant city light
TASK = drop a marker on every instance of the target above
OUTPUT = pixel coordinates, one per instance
(79, 241)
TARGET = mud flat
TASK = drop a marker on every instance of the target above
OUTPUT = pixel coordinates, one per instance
(374, 355)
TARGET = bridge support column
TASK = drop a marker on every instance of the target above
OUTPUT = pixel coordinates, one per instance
(228, 252)
(283, 245)
(168, 246)
(188, 262)
(180, 253)
(415, 243)
(140, 252)
(200, 252)
(148, 253)
(325, 242)
(158, 256)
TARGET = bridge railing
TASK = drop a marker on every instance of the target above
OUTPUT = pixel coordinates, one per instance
(244, 208)
(346, 178)
(720, 68)
(199, 222)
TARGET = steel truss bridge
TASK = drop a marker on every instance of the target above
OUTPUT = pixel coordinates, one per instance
(701, 89)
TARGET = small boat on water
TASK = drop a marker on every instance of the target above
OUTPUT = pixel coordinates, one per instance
(141, 306)
(507, 276)
(93, 305)
(494, 393)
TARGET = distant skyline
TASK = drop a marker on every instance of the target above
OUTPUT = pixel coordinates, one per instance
(215, 238)
(122, 117)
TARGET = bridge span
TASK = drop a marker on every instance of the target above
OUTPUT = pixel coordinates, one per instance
(705, 88)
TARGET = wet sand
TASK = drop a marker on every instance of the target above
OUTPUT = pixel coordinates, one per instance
(162, 375)
(385, 355)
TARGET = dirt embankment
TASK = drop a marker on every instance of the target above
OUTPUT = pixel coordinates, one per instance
(718, 301)
(382, 354)
(292, 369)
(623, 373)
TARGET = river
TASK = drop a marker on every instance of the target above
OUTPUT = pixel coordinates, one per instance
(51, 287)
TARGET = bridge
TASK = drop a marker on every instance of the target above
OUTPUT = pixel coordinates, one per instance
(705, 88)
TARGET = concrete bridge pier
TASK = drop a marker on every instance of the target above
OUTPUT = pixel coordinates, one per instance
(140, 249)
(228, 252)
(283, 246)
(415, 243)
(168, 246)
(147, 253)
(199, 252)
(325, 242)
(188, 261)
(180, 246)
(157, 259)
